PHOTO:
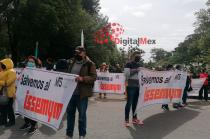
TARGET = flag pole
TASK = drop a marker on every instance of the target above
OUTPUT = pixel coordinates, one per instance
(82, 39)
(36, 49)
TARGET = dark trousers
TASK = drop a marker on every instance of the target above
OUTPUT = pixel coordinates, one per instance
(132, 100)
(30, 122)
(7, 112)
(204, 90)
(81, 106)
(184, 97)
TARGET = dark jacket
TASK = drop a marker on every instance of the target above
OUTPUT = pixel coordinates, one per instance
(188, 83)
(88, 72)
(132, 77)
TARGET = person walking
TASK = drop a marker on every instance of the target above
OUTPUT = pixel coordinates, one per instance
(118, 69)
(30, 124)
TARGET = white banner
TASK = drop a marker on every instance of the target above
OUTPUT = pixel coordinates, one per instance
(196, 85)
(110, 83)
(44, 95)
(160, 87)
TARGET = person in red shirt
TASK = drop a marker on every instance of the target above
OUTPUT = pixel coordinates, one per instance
(204, 88)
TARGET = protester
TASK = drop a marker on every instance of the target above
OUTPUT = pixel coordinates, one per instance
(49, 64)
(165, 106)
(7, 79)
(179, 105)
(39, 63)
(131, 73)
(103, 68)
(204, 88)
(30, 124)
(86, 70)
(118, 69)
(186, 89)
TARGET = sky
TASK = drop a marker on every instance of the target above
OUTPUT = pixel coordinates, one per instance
(166, 21)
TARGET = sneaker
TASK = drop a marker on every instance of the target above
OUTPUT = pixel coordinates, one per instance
(176, 106)
(137, 122)
(32, 130)
(127, 124)
(25, 127)
(165, 108)
(81, 137)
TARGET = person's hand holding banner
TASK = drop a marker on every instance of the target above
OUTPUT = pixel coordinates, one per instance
(79, 79)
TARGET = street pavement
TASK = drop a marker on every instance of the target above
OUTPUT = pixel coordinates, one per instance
(106, 119)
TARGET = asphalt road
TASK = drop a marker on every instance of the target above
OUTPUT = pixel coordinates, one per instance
(106, 117)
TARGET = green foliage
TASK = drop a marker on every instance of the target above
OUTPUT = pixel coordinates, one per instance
(195, 49)
(56, 25)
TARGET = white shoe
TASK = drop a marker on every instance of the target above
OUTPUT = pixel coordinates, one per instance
(81, 137)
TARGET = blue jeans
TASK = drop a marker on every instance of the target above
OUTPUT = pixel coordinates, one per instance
(81, 106)
(132, 100)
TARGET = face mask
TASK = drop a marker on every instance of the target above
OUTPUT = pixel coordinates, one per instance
(78, 57)
(137, 58)
(31, 64)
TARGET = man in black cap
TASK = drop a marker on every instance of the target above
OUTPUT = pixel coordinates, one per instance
(86, 71)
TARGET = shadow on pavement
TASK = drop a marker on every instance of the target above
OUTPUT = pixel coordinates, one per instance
(198, 104)
(162, 124)
(110, 99)
(16, 133)
(47, 131)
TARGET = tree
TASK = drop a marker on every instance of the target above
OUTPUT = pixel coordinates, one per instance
(159, 54)
(91, 6)
(56, 25)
